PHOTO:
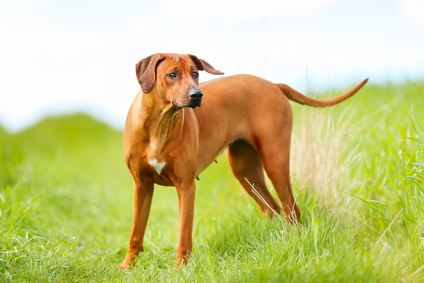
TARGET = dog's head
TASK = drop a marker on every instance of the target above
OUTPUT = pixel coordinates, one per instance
(174, 77)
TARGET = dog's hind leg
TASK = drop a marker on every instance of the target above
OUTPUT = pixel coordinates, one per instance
(246, 164)
(274, 151)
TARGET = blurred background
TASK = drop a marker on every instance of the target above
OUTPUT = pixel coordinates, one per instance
(79, 56)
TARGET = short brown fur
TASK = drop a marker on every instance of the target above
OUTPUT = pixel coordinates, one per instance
(169, 141)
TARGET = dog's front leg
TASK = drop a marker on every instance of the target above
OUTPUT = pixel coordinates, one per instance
(143, 194)
(186, 195)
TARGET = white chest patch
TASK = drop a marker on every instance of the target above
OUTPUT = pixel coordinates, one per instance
(158, 166)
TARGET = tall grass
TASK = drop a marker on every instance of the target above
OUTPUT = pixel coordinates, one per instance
(357, 173)
(323, 153)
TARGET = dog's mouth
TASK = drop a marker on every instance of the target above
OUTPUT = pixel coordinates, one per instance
(193, 103)
(176, 106)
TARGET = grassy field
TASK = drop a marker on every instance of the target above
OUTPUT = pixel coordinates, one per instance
(357, 173)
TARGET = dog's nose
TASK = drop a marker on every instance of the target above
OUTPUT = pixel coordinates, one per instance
(196, 94)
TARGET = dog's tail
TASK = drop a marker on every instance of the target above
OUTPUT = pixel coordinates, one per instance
(302, 99)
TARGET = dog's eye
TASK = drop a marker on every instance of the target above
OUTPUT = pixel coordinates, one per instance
(172, 75)
(195, 75)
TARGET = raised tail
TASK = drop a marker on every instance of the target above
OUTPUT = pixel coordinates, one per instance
(302, 99)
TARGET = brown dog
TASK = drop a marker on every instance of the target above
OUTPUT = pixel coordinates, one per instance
(168, 141)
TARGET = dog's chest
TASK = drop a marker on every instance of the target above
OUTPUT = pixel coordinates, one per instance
(164, 153)
(159, 165)
(156, 156)
(156, 165)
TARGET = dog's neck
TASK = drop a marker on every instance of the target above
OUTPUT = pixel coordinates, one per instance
(162, 122)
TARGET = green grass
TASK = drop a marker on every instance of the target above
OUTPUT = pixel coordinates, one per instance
(357, 173)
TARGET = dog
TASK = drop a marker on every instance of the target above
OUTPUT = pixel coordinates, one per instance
(176, 127)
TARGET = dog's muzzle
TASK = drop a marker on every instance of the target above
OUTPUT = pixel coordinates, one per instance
(195, 100)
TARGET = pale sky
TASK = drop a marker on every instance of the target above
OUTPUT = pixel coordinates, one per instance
(68, 56)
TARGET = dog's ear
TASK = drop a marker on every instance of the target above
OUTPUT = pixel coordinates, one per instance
(146, 71)
(203, 65)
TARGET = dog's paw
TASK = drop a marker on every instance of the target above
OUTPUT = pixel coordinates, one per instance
(123, 266)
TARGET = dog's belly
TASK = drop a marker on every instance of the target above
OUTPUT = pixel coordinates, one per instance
(217, 141)
(205, 159)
